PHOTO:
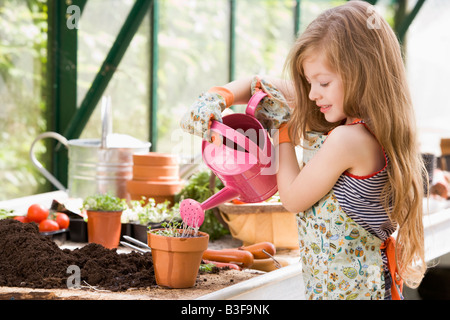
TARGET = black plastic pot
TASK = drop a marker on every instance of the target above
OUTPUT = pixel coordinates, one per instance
(59, 236)
(78, 230)
(140, 232)
(127, 230)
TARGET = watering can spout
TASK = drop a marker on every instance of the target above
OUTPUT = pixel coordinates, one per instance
(224, 195)
(193, 213)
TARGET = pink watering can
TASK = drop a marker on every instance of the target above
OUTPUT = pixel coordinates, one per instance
(244, 161)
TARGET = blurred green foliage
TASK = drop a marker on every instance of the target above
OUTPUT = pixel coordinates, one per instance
(23, 58)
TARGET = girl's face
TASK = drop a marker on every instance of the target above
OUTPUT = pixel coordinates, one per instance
(327, 89)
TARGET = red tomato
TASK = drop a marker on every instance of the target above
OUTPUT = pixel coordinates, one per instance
(63, 220)
(48, 225)
(37, 213)
(23, 219)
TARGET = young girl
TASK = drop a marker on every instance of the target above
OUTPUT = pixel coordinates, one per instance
(362, 173)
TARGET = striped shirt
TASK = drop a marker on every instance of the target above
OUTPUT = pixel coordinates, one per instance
(359, 197)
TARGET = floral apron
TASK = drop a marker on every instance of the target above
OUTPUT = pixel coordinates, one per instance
(340, 259)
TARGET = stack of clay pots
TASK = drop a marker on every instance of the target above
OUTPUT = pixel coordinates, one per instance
(155, 175)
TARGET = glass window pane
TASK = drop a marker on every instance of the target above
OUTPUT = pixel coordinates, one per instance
(193, 56)
(23, 50)
(129, 87)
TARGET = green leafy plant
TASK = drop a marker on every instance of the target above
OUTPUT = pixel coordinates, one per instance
(5, 214)
(198, 189)
(151, 212)
(104, 202)
(207, 268)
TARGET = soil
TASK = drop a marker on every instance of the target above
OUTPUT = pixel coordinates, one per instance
(33, 266)
(29, 259)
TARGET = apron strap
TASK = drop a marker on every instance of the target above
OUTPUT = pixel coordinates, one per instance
(354, 121)
(397, 285)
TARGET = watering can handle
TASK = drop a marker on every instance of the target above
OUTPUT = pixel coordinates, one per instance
(253, 102)
(239, 139)
(39, 166)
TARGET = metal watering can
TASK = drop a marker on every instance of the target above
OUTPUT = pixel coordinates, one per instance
(243, 160)
(96, 165)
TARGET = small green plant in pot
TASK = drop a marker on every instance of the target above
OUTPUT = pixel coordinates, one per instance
(104, 212)
(177, 254)
(146, 212)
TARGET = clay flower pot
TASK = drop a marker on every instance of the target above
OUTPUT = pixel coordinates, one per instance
(104, 227)
(155, 175)
(155, 159)
(176, 260)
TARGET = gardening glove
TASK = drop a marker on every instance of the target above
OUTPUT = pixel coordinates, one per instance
(273, 110)
(208, 107)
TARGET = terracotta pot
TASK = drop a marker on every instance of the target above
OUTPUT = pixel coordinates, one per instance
(163, 173)
(155, 175)
(155, 159)
(176, 260)
(154, 188)
(104, 227)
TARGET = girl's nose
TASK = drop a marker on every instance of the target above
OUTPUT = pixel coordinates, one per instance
(313, 93)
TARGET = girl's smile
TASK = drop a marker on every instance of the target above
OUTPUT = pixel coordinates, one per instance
(324, 108)
(327, 89)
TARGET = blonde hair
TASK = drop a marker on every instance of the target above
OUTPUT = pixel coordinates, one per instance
(368, 58)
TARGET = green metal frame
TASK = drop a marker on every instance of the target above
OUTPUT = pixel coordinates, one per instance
(62, 78)
(154, 23)
(109, 66)
(69, 119)
(402, 25)
(402, 19)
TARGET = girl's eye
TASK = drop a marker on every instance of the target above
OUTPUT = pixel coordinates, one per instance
(324, 85)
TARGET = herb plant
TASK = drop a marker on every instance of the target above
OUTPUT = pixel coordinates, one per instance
(175, 228)
(151, 212)
(104, 202)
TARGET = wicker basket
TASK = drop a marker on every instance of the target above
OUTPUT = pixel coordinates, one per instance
(259, 222)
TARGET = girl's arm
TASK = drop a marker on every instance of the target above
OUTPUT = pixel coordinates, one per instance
(300, 189)
(242, 88)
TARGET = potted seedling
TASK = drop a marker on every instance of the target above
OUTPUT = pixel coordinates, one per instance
(147, 212)
(104, 213)
(177, 253)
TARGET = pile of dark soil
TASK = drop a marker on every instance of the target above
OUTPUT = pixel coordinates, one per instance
(29, 259)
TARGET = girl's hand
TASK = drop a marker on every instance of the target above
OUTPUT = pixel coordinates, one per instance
(208, 107)
(273, 110)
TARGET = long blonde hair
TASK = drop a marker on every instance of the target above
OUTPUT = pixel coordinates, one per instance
(362, 48)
